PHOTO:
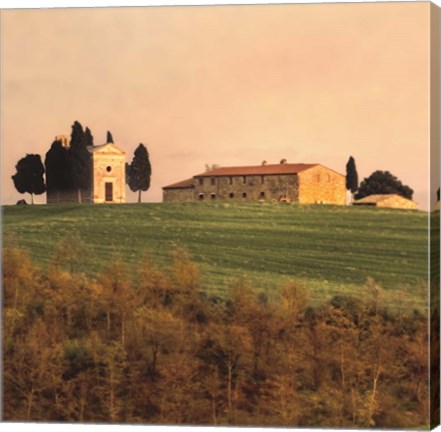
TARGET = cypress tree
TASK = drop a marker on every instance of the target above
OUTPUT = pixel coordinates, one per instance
(29, 176)
(109, 138)
(139, 171)
(58, 169)
(88, 137)
(351, 176)
(80, 159)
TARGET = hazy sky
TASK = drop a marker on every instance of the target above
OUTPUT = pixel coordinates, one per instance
(232, 85)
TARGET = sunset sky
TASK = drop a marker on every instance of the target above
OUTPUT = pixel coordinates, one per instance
(231, 85)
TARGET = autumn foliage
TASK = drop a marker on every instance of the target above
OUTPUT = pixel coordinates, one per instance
(153, 347)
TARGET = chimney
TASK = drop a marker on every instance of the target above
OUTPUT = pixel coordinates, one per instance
(283, 161)
(264, 163)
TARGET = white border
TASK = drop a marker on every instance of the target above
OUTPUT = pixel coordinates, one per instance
(35, 4)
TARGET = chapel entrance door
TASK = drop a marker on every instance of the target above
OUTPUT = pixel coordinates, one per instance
(109, 192)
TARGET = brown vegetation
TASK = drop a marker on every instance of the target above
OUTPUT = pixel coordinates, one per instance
(153, 348)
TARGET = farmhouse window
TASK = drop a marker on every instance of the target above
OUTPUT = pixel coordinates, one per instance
(201, 181)
(262, 179)
(213, 181)
(231, 180)
(231, 195)
(262, 195)
(213, 196)
(201, 197)
(109, 168)
(244, 195)
(244, 179)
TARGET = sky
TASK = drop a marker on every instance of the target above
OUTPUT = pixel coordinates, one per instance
(226, 85)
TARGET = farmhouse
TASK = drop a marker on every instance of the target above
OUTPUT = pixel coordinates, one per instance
(107, 183)
(387, 201)
(290, 182)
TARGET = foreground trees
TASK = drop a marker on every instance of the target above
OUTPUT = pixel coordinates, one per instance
(152, 347)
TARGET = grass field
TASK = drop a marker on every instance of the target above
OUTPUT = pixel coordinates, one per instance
(332, 249)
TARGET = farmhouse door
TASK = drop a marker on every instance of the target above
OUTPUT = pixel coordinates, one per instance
(109, 191)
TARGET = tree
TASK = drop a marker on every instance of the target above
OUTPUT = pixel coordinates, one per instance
(382, 183)
(351, 176)
(58, 168)
(117, 297)
(80, 159)
(88, 137)
(139, 171)
(109, 138)
(29, 175)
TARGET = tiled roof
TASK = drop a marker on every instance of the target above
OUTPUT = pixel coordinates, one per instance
(284, 168)
(93, 149)
(257, 170)
(180, 185)
(372, 199)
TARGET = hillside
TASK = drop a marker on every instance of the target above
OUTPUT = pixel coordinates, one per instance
(332, 249)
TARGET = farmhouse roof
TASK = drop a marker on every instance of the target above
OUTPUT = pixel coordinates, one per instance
(181, 185)
(373, 199)
(284, 168)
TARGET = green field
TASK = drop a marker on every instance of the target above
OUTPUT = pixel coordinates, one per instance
(332, 249)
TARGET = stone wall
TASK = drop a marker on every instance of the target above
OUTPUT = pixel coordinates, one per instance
(321, 185)
(67, 197)
(178, 194)
(246, 188)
